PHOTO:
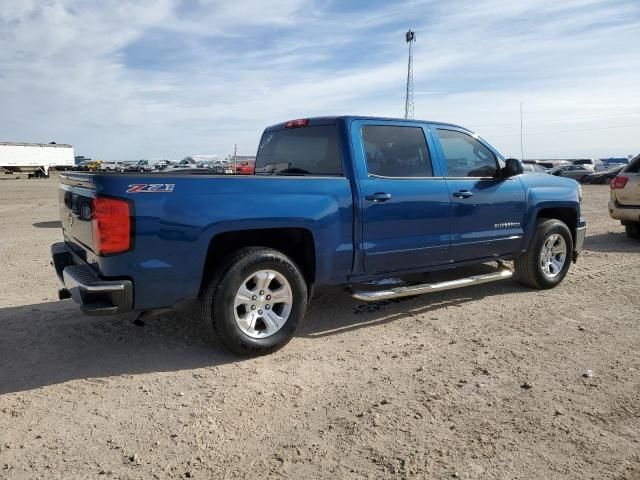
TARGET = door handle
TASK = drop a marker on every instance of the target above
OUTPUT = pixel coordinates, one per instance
(463, 194)
(378, 197)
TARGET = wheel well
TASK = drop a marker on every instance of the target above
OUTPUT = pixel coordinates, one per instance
(564, 214)
(296, 243)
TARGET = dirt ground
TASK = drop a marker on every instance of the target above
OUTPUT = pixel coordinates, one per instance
(485, 382)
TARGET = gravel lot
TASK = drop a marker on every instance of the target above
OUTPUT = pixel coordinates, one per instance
(487, 382)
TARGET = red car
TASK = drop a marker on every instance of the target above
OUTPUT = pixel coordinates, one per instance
(245, 167)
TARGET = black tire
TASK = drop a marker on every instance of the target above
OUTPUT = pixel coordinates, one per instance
(218, 299)
(632, 229)
(528, 266)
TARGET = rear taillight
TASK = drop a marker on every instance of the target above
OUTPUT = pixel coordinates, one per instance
(618, 182)
(111, 225)
(300, 122)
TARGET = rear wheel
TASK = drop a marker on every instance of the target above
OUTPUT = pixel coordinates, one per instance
(632, 229)
(547, 260)
(255, 301)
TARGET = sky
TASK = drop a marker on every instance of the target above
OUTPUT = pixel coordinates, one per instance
(130, 79)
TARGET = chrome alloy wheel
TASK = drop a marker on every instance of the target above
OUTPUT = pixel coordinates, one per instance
(263, 303)
(553, 255)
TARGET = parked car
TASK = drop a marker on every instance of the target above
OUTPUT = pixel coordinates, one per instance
(603, 177)
(549, 164)
(144, 165)
(615, 161)
(93, 165)
(577, 172)
(245, 167)
(187, 162)
(334, 200)
(624, 204)
(222, 166)
(109, 167)
(533, 168)
(592, 164)
(125, 165)
(163, 164)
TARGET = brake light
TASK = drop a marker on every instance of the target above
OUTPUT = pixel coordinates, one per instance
(618, 182)
(300, 122)
(111, 225)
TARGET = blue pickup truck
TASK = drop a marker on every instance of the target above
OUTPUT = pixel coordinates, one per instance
(334, 200)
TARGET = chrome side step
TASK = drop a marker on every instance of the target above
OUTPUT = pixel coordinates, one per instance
(398, 292)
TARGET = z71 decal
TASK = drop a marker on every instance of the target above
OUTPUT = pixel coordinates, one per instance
(151, 188)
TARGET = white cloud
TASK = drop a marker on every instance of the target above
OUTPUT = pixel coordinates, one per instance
(156, 78)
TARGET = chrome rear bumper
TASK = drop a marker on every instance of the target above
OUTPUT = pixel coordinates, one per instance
(95, 295)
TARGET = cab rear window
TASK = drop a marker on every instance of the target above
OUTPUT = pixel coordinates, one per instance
(300, 151)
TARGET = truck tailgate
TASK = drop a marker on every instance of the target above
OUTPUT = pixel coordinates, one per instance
(74, 199)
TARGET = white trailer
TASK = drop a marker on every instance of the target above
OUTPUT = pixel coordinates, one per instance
(35, 158)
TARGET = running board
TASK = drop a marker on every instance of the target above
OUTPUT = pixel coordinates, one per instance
(374, 296)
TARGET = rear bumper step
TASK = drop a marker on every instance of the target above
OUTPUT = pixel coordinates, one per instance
(398, 292)
(95, 295)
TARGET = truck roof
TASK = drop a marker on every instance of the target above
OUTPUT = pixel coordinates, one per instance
(21, 144)
(333, 119)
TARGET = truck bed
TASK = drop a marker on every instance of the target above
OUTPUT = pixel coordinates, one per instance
(175, 216)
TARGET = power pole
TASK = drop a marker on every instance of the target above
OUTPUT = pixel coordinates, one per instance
(521, 136)
(235, 153)
(408, 103)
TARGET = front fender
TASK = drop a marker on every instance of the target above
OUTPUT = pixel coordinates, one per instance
(554, 196)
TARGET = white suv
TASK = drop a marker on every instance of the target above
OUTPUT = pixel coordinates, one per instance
(590, 164)
(625, 198)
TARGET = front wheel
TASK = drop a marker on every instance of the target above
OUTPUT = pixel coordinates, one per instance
(255, 301)
(547, 260)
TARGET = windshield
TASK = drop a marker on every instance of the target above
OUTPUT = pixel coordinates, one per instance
(300, 151)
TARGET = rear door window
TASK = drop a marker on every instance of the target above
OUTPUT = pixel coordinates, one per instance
(396, 151)
(466, 156)
(300, 151)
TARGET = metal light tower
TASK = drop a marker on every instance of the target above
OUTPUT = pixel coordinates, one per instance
(408, 104)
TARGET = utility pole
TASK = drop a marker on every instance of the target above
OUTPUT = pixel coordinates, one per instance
(235, 153)
(521, 136)
(410, 37)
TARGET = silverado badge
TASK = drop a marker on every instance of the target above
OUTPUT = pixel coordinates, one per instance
(507, 225)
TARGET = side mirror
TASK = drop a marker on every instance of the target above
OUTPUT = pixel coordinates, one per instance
(513, 167)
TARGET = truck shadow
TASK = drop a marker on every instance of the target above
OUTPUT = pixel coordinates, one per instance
(614, 242)
(319, 324)
(54, 342)
(51, 343)
(50, 224)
